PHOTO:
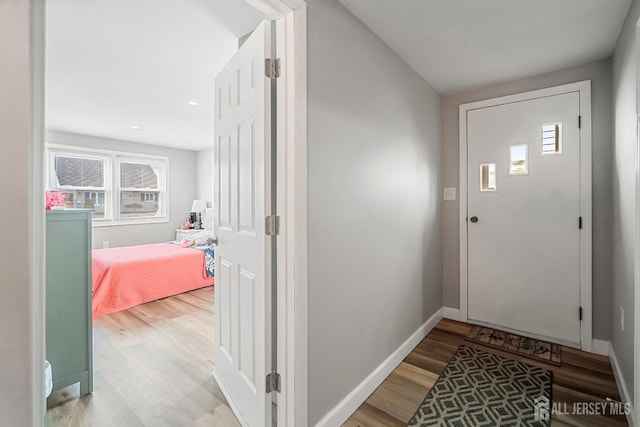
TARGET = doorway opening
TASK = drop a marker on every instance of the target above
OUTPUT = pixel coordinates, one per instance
(129, 136)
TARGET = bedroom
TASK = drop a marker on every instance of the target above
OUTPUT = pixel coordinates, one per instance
(129, 136)
(351, 345)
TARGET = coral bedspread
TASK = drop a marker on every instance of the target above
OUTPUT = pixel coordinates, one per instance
(128, 276)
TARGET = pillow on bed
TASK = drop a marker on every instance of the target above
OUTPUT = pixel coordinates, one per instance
(200, 238)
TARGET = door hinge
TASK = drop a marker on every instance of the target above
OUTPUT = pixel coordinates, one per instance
(580, 223)
(272, 225)
(579, 122)
(272, 68)
(273, 382)
(580, 313)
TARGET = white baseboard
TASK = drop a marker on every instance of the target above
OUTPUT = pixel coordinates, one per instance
(451, 313)
(622, 385)
(343, 410)
(600, 347)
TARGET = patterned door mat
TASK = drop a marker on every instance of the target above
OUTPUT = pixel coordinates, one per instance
(480, 389)
(542, 351)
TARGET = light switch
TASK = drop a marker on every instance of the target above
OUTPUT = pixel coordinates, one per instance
(449, 193)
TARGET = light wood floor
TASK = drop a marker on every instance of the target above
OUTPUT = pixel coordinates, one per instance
(152, 367)
(153, 364)
(583, 377)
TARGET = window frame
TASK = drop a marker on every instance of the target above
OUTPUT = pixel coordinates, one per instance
(161, 163)
(526, 159)
(53, 152)
(112, 189)
(558, 138)
(485, 179)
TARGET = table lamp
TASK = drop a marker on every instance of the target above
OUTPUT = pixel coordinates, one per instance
(198, 207)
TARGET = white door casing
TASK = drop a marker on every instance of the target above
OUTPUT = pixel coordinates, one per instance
(242, 200)
(525, 264)
(292, 210)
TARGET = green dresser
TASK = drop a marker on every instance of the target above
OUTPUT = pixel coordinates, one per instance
(68, 293)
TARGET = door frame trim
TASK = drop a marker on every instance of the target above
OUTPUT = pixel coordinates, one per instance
(36, 211)
(291, 206)
(584, 90)
(635, 415)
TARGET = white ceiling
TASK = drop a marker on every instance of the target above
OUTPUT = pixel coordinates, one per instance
(116, 64)
(457, 45)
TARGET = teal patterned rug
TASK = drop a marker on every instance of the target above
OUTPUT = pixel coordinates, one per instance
(479, 389)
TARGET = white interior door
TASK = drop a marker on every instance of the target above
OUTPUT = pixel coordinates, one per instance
(523, 217)
(242, 200)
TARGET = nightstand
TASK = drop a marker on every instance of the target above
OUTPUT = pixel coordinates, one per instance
(183, 234)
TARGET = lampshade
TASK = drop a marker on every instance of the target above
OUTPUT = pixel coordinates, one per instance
(199, 206)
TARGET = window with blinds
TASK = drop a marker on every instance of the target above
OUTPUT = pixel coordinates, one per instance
(552, 138)
(118, 187)
(82, 178)
(139, 189)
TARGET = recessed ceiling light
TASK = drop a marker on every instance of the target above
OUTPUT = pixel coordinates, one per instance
(136, 128)
(194, 103)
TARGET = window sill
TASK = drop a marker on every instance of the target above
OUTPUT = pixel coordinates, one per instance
(141, 221)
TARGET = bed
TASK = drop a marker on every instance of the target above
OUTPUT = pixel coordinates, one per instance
(128, 276)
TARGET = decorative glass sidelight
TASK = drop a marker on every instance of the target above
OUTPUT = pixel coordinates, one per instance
(519, 159)
(488, 177)
(552, 138)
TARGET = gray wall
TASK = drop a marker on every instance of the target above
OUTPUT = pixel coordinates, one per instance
(182, 189)
(624, 192)
(16, 379)
(374, 247)
(600, 75)
(204, 175)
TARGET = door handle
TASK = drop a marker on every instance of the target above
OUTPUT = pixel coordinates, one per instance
(214, 240)
(474, 219)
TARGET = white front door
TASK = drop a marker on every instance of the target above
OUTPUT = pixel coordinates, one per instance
(524, 217)
(242, 200)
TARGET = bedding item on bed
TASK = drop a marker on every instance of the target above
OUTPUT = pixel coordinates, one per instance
(207, 248)
(204, 237)
(209, 257)
(125, 277)
(201, 238)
